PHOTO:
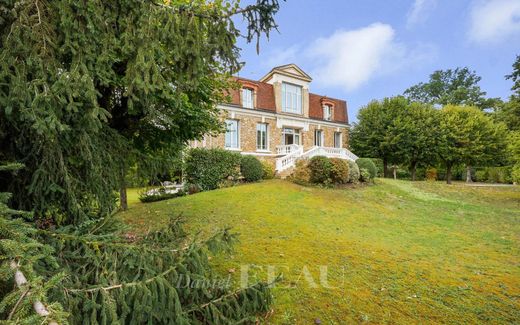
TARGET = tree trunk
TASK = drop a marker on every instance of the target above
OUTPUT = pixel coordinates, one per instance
(448, 173)
(395, 171)
(123, 199)
(468, 175)
(385, 168)
(413, 169)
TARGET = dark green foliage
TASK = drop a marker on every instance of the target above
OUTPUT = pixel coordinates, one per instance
(21, 250)
(320, 168)
(88, 89)
(455, 87)
(251, 169)
(209, 168)
(129, 278)
(339, 173)
(515, 77)
(369, 165)
(162, 195)
(431, 174)
(353, 172)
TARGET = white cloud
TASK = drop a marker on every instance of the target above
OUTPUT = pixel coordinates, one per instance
(349, 59)
(419, 11)
(494, 20)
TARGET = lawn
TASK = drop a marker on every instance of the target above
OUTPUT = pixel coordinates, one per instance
(395, 252)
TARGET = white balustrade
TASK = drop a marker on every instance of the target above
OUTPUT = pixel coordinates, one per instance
(295, 152)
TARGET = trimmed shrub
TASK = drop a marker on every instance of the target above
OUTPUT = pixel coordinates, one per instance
(208, 168)
(365, 175)
(339, 172)
(251, 169)
(353, 172)
(481, 175)
(301, 174)
(320, 168)
(431, 174)
(369, 165)
(499, 174)
(268, 170)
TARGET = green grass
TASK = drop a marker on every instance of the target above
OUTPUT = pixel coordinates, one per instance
(396, 252)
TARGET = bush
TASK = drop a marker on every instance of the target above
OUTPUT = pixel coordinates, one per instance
(268, 170)
(369, 165)
(379, 165)
(431, 174)
(353, 172)
(339, 174)
(208, 168)
(320, 168)
(364, 175)
(515, 173)
(499, 174)
(251, 169)
(481, 175)
(301, 174)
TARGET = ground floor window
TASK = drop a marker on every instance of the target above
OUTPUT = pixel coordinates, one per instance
(232, 134)
(318, 138)
(337, 140)
(290, 136)
(261, 136)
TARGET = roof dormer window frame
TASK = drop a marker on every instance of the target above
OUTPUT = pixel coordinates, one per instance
(248, 94)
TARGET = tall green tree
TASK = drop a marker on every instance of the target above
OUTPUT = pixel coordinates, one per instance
(414, 135)
(469, 137)
(515, 77)
(509, 112)
(370, 137)
(455, 87)
(88, 88)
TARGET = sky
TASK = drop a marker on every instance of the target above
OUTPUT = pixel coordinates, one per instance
(359, 50)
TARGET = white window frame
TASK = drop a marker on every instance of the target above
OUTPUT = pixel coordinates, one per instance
(296, 135)
(318, 141)
(264, 141)
(327, 112)
(291, 98)
(340, 144)
(248, 97)
(232, 141)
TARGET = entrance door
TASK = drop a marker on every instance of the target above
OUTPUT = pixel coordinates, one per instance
(290, 136)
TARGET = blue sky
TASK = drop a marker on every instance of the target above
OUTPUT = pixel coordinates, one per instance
(370, 49)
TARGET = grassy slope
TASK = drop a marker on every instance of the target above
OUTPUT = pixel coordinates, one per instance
(396, 252)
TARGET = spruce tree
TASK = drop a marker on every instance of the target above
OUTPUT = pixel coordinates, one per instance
(88, 89)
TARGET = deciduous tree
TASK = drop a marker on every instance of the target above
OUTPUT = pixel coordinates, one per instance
(469, 137)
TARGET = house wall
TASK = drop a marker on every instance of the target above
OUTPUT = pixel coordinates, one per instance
(247, 122)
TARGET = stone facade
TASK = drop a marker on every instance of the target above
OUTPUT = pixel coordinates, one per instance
(267, 108)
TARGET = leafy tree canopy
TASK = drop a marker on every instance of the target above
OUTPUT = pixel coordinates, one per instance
(455, 87)
(515, 77)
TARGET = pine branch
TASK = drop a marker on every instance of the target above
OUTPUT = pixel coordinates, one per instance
(21, 281)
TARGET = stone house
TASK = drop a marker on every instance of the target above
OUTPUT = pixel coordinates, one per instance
(277, 119)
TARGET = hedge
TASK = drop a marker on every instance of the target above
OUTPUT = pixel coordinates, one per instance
(320, 170)
(210, 168)
(353, 172)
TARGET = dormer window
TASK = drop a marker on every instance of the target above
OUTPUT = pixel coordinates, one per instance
(247, 97)
(291, 98)
(327, 112)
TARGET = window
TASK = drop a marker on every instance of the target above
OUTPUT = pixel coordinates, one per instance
(318, 138)
(291, 98)
(261, 136)
(232, 134)
(290, 136)
(327, 112)
(247, 97)
(337, 140)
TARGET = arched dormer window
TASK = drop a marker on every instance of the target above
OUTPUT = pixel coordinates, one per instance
(328, 109)
(248, 94)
